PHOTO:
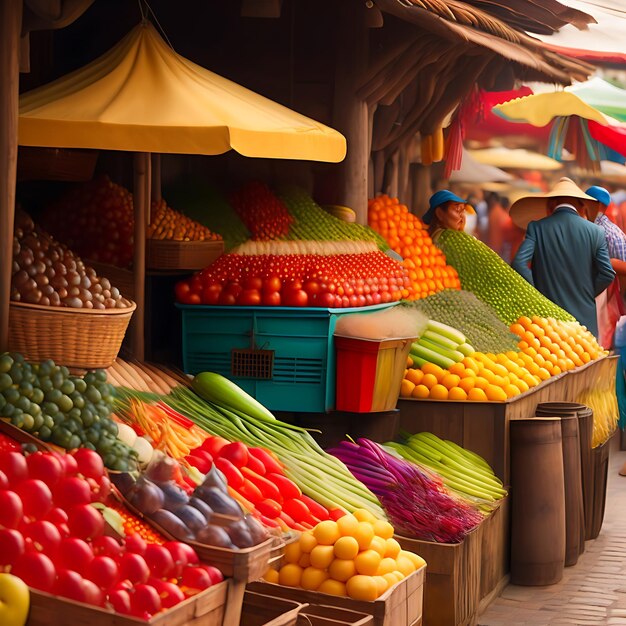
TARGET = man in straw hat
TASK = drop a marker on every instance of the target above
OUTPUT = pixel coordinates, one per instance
(568, 256)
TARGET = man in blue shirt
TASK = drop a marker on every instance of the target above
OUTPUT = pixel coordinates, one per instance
(563, 255)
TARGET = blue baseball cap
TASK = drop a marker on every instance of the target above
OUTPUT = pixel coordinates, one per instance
(600, 194)
(437, 199)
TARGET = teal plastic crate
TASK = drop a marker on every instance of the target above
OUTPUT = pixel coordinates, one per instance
(296, 344)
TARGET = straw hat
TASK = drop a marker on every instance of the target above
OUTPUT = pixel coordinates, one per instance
(535, 207)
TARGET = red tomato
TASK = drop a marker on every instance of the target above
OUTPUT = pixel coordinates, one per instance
(136, 543)
(159, 560)
(215, 575)
(182, 554)
(106, 546)
(255, 464)
(295, 297)
(74, 554)
(134, 567)
(213, 445)
(36, 497)
(182, 291)
(145, 599)
(11, 509)
(226, 299)
(233, 288)
(44, 536)
(236, 453)
(232, 473)
(70, 491)
(103, 571)
(271, 298)
(249, 297)
(268, 460)
(13, 464)
(45, 467)
(36, 570)
(296, 509)
(69, 584)
(12, 546)
(4, 481)
(287, 488)
(326, 300)
(169, 593)
(272, 284)
(85, 522)
(268, 507)
(311, 287)
(196, 578)
(120, 601)
(89, 463)
(211, 293)
(200, 464)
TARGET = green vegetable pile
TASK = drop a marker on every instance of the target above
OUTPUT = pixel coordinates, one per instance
(45, 400)
(475, 319)
(485, 274)
(312, 222)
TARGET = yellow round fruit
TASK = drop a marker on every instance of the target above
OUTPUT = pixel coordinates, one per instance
(293, 552)
(386, 565)
(511, 390)
(420, 391)
(477, 395)
(305, 560)
(322, 556)
(346, 548)
(342, 569)
(480, 383)
(379, 545)
(458, 393)
(290, 575)
(418, 561)
(363, 515)
(312, 578)
(450, 380)
(307, 542)
(429, 381)
(271, 576)
(383, 529)
(347, 525)
(457, 368)
(467, 383)
(333, 587)
(435, 370)
(381, 584)
(362, 587)
(364, 535)
(405, 564)
(495, 393)
(393, 578)
(367, 562)
(326, 533)
(393, 548)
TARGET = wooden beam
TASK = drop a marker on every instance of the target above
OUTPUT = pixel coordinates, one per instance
(10, 28)
(141, 206)
(350, 113)
(261, 8)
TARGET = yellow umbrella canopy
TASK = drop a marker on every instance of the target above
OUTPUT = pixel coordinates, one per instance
(515, 159)
(142, 96)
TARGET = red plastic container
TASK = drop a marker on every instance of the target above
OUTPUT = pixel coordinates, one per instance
(369, 373)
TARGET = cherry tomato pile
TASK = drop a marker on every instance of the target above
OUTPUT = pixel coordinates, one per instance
(95, 220)
(342, 280)
(259, 483)
(265, 216)
(52, 537)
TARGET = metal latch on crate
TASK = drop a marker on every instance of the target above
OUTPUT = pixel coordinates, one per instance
(252, 362)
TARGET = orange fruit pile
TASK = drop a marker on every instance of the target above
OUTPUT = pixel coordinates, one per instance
(408, 236)
(547, 347)
(167, 223)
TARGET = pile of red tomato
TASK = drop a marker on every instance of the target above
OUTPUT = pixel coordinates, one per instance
(52, 537)
(256, 479)
(264, 215)
(336, 281)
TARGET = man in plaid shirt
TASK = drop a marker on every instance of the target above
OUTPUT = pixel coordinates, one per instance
(615, 236)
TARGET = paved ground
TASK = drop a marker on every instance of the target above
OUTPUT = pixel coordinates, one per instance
(593, 591)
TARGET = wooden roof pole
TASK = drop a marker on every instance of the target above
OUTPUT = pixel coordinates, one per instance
(10, 27)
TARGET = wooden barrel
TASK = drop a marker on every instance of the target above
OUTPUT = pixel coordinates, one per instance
(538, 501)
(572, 476)
(585, 435)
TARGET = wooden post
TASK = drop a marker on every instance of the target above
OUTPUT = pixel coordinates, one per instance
(350, 114)
(393, 175)
(10, 27)
(403, 174)
(156, 179)
(141, 205)
(421, 189)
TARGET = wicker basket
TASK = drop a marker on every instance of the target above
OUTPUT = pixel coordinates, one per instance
(163, 254)
(80, 338)
(55, 164)
(119, 277)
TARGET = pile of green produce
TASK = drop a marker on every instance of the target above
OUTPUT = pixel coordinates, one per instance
(312, 222)
(461, 470)
(45, 400)
(485, 274)
(475, 319)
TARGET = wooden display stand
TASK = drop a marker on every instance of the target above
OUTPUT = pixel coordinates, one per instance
(483, 427)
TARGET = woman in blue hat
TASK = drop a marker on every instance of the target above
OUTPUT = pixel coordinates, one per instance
(445, 210)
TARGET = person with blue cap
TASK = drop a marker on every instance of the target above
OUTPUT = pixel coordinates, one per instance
(445, 210)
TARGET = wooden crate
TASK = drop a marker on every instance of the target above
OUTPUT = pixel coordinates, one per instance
(261, 610)
(164, 254)
(483, 427)
(495, 550)
(319, 615)
(400, 605)
(205, 609)
(452, 587)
